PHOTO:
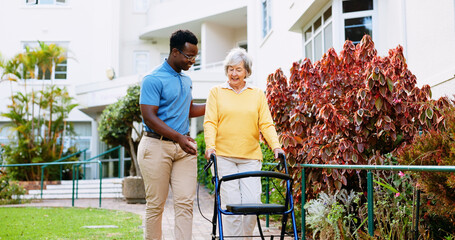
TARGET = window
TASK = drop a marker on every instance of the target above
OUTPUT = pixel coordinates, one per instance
(83, 131)
(318, 37)
(358, 19)
(46, 2)
(141, 62)
(5, 132)
(266, 17)
(59, 71)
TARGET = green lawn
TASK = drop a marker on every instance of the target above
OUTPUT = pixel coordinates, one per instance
(67, 223)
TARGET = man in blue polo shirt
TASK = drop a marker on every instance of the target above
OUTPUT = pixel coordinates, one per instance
(166, 154)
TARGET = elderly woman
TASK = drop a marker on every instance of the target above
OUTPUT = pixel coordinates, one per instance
(235, 114)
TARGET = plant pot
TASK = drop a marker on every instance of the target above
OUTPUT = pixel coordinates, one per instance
(133, 190)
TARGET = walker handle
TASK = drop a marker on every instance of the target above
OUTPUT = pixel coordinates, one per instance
(210, 162)
(281, 164)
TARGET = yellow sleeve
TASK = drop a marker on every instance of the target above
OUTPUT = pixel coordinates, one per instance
(211, 119)
(266, 125)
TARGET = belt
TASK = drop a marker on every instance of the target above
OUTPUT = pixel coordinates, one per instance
(157, 136)
(160, 137)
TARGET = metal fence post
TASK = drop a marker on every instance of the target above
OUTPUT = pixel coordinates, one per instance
(85, 158)
(302, 209)
(77, 179)
(370, 203)
(42, 180)
(119, 162)
(72, 195)
(101, 179)
(416, 236)
(267, 199)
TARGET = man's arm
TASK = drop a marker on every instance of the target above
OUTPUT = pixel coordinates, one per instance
(149, 114)
(197, 110)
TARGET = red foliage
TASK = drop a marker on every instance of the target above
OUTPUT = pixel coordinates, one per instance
(349, 109)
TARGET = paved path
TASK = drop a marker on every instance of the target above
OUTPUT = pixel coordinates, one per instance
(201, 227)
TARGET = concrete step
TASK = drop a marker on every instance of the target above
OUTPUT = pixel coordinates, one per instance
(69, 196)
(84, 186)
(111, 188)
(94, 181)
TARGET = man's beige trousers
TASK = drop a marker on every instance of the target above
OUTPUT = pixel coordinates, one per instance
(164, 163)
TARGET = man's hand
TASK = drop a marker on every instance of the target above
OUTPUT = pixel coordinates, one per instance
(188, 144)
(209, 152)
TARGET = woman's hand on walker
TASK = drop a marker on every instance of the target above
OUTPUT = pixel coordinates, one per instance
(209, 152)
(277, 151)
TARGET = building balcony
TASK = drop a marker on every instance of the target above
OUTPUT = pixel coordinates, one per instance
(164, 17)
(94, 97)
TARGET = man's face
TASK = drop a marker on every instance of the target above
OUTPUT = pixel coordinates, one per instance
(187, 56)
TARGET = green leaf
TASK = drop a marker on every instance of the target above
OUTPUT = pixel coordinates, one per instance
(370, 83)
(355, 158)
(383, 91)
(358, 119)
(429, 113)
(382, 81)
(360, 112)
(389, 84)
(387, 119)
(378, 103)
(422, 118)
(385, 185)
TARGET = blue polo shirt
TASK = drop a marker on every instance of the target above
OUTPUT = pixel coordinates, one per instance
(171, 92)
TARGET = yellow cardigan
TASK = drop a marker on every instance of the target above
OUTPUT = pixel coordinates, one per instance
(232, 123)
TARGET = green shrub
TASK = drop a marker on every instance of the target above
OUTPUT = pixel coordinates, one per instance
(203, 177)
(9, 191)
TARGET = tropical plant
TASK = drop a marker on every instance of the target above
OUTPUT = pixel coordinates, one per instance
(119, 121)
(37, 116)
(350, 108)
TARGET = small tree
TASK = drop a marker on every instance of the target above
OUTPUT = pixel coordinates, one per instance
(119, 120)
(37, 117)
(350, 108)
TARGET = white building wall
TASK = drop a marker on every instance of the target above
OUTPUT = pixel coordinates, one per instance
(131, 23)
(426, 31)
(431, 42)
(279, 49)
(216, 42)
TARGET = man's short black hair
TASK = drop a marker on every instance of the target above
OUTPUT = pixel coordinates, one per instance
(180, 37)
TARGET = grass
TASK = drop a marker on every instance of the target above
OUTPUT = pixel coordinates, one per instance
(67, 223)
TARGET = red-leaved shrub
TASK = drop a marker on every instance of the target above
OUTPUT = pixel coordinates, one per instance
(350, 108)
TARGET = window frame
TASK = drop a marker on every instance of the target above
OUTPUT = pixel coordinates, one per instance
(64, 44)
(320, 30)
(359, 14)
(338, 24)
(266, 18)
(136, 61)
(54, 3)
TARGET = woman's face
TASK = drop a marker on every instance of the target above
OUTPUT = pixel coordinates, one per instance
(236, 75)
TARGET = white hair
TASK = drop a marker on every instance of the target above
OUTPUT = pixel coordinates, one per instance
(236, 56)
